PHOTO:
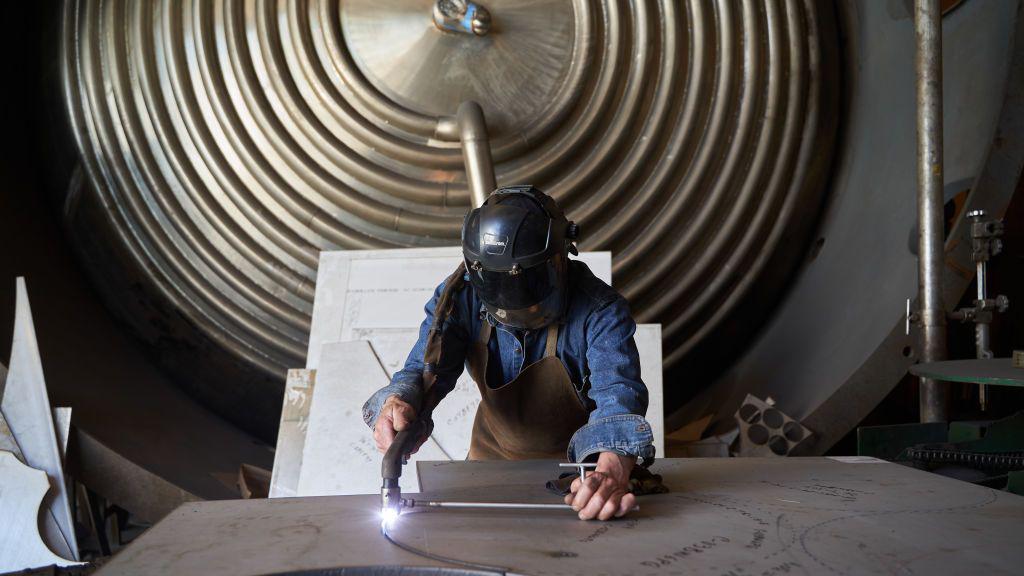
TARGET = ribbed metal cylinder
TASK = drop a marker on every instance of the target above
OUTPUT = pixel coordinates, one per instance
(229, 141)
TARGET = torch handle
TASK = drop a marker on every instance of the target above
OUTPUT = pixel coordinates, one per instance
(404, 443)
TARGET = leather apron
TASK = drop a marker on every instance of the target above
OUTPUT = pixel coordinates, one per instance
(532, 417)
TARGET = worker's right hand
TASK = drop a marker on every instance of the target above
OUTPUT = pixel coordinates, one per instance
(394, 416)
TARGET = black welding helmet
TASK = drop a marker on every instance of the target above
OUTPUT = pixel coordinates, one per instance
(516, 246)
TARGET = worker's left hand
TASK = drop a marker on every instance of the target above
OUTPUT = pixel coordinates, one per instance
(604, 493)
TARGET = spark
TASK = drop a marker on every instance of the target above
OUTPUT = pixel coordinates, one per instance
(388, 516)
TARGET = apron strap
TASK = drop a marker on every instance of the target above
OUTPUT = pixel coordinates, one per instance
(485, 333)
(551, 346)
(477, 359)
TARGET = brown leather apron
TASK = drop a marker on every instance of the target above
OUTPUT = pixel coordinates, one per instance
(534, 416)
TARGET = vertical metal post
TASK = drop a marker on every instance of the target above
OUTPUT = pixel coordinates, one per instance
(931, 249)
(476, 151)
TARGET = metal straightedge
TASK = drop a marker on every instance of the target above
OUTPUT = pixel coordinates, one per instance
(392, 499)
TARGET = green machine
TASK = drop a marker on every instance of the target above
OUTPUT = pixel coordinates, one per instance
(985, 452)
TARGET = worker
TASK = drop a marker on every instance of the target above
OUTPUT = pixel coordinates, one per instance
(549, 345)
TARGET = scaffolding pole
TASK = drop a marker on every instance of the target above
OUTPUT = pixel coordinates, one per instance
(931, 239)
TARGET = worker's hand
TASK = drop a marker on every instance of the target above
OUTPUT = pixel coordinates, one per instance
(603, 495)
(394, 416)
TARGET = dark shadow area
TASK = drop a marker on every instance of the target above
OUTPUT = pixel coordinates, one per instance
(1005, 276)
(116, 392)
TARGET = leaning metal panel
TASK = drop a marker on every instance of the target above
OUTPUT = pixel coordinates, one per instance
(228, 142)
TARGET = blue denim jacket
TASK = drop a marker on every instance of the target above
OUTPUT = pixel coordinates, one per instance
(596, 347)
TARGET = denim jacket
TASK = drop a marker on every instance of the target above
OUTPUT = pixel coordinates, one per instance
(596, 346)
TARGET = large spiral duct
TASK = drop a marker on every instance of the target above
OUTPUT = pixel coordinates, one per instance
(227, 142)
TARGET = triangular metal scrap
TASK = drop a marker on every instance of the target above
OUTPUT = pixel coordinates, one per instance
(26, 408)
(21, 492)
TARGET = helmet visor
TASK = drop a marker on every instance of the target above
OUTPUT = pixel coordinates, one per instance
(515, 291)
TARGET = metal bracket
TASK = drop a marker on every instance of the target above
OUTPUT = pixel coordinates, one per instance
(911, 317)
(985, 244)
(462, 16)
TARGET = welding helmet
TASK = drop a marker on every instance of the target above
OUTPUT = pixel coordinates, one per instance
(515, 246)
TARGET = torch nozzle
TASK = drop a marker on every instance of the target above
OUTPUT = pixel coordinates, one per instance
(391, 504)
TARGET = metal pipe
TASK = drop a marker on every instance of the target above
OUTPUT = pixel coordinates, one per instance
(931, 249)
(982, 335)
(476, 151)
(981, 328)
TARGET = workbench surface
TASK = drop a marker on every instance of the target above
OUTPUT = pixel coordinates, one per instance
(739, 516)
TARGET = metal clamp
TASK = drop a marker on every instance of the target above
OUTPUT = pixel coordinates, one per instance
(582, 466)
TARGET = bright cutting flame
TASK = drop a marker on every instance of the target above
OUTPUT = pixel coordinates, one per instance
(388, 516)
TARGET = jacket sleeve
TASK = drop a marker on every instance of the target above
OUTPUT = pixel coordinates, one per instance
(617, 422)
(407, 383)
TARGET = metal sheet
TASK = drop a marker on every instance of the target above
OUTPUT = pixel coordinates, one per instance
(7, 441)
(62, 423)
(48, 520)
(291, 434)
(742, 515)
(26, 407)
(21, 492)
(340, 455)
